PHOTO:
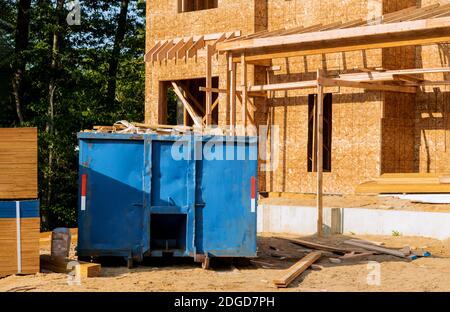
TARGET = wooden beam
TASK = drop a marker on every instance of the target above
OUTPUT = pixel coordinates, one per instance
(87, 269)
(419, 32)
(224, 91)
(244, 91)
(227, 91)
(154, 56)
(378, 249)
(320, 96)
(200, 43)
(232, 94)
(317, 246)
(214, 44)
(181, 53)
(408, 29)
(215, 104)
(330, 82)
(284, 86)
(209, 52)
(188, 107)
(327, 49)
(389, 74)
(148, 55)
(407, 78)
(162, 54)
(249, 116)
(294, 271)
(174, 50)
(265, 63)
(194, 100)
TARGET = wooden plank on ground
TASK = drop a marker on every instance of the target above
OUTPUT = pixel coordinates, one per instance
(294, 271)
(378, 249)
(87, 269)
(316, 245)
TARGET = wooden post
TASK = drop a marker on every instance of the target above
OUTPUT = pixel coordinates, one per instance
(232, 94)
(229, 63)
(208, 84)
(319, 156)
(244, 91)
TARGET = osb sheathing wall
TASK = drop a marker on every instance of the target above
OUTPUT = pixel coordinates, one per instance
(373, 132)
(397, 124)
(164, 21)
(356, 130)
(416, 129)
(432, 115)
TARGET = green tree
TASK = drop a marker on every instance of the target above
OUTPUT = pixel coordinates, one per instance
(67, 85)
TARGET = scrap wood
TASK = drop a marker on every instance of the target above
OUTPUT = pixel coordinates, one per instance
(294, 271)
(87, 269)
(261, 263)
(316, 267)
(353, 255)
(367, 242)
(378, 249)
(316, 246)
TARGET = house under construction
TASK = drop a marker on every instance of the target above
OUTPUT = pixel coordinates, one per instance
(358, 88)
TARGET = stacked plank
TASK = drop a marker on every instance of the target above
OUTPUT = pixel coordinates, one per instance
(19, 208)
(18, 163)
(394, 183)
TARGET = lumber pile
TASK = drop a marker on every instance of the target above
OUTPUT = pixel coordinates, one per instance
(19, 208)
(18, 163)
(394, 183)
(19, 238)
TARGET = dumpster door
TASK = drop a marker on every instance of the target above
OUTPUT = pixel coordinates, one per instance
(110, 216)
(226, 197)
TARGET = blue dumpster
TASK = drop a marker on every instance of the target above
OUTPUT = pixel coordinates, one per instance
(155, 195)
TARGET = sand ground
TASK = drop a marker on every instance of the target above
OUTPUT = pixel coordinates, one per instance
(274, 255)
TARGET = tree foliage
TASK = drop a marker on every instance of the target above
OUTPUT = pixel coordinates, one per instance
(79, 81)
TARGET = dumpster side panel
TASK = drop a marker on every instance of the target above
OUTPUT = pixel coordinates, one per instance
(111, 222)
(226, 224)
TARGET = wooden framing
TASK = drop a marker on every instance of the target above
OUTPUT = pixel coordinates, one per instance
(197, 119)
(411, 26)
(244, 91)
(186, 47)
(209, 52)
(319, 154)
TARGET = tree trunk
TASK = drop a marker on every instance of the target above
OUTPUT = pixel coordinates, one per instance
(22, 38)
(114, 60)
(54, 66)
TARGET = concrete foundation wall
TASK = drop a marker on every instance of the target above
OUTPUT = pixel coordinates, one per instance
(303, 221)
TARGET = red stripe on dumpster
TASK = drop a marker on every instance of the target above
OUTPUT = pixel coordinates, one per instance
(83, 184)
(253, 188)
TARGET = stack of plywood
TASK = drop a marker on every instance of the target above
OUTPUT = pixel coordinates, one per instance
(18, 163)
(19, 208)
(19, 237)
(395, 183)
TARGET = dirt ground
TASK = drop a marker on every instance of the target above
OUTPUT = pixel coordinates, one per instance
(274, 255)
